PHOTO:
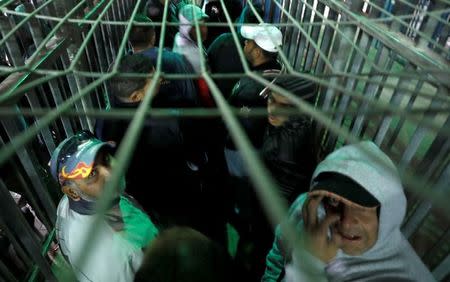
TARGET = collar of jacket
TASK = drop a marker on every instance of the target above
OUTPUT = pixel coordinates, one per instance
(271, 64)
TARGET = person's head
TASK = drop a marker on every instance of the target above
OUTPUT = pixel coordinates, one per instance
(132, 89)
(302, 88)
(81, 164)
(182, 254)
(357, 210)
(360, 184)
(261, 43)
(142, 37)
(187, 15)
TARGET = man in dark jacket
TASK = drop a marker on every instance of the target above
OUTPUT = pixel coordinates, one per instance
(182, 93)
(214, 10)
(260, 50)
(288, 144)
(173, 92)
(162, 154)
(223, 55)
(154, 10)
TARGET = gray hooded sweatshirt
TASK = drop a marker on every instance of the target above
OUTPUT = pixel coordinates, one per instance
(391, 258)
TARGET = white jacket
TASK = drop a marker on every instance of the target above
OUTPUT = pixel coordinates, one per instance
(112, 256)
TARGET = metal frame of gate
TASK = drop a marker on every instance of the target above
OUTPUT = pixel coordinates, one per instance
(383, 68)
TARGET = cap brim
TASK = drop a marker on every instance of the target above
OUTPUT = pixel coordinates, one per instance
(347, 202)
(352, 192)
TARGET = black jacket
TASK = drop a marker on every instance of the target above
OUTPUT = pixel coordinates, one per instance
(160, 175)
(154, 10)
(245, 96)
(223, 57)
(288, 152)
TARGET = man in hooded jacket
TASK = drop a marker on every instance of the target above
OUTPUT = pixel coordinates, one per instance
(186, 44)
(349, 224)
(186, 39)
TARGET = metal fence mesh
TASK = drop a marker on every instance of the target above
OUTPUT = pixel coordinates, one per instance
(383, 68)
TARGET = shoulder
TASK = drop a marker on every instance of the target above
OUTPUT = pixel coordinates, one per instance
(63, 206)
(220, 42)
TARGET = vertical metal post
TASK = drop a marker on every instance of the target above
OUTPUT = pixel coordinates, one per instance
(327, 39)
(425, 206)
(28, 161)
(370, 90)
(419, 133)
(395, 100)
(315, 30)
(293, 33)
(355, 67)
(300, 49)
(14, 219)
(11, 44)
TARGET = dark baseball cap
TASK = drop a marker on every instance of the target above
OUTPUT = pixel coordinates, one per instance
(300, 87)
(74, 157)
(344, 187)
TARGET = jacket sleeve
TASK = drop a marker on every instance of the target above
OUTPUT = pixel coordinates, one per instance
(276, 258)
(305, 267)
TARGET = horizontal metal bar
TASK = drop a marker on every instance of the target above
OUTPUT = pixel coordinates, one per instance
(388, 18)
(211, 112)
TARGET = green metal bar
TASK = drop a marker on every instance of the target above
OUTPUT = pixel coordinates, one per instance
(24, 21)
(308, 38)
(4, 3)
(343, 36)
(429, 124)
(53, 32)
(431, 14)
(39, 49)
(87, 37)
(365, 22)
(119, 114)
(387, 18)
(16, 90)
(21, 140)
(45, 247)
(403, 23)
(361, 76)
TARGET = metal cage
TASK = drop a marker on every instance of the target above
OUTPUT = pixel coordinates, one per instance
(383, 68)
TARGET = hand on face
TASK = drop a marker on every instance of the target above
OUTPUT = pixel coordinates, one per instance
(316, 231)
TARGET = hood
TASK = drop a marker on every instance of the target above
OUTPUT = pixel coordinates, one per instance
(367, 165)
(187, 15)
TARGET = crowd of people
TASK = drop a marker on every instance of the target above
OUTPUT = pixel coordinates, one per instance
(187, 181)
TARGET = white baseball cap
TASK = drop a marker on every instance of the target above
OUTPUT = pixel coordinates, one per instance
(265, 36)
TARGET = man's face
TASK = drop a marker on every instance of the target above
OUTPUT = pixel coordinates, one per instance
(203, 32)
(277, 102)
(249, 49)
(357, 227)
(93, 185)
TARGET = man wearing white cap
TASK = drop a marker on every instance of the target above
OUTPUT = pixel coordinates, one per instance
(260, 49)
